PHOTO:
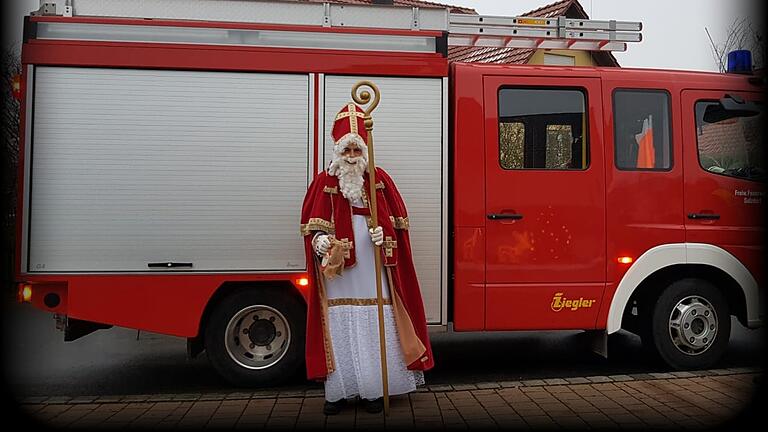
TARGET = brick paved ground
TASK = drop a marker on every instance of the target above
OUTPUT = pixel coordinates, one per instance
(697, 400)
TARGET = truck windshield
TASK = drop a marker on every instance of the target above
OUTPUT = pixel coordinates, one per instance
(730, 145)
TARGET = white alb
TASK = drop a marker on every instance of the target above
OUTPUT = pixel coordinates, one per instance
(355, 330)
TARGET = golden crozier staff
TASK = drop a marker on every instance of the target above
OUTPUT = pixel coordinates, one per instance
(363, 98)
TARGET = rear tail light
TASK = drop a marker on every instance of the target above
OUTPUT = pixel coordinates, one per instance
(16, 87)
(25, 293)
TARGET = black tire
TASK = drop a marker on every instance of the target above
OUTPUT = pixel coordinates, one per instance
(277, 329)
(703, 341)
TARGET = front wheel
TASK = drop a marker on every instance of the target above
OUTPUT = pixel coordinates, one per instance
(255, 338)
(690, 324)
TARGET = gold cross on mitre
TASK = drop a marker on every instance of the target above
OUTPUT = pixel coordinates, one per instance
(352, 113)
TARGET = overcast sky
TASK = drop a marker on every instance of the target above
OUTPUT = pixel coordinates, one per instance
(673, 30)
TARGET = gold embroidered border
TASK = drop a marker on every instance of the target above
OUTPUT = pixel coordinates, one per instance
(317, 224)
(400, 222)
(346, 246)
(356, 302)
(388, 245)
(353, 118)
(330, 361)
(331, 190)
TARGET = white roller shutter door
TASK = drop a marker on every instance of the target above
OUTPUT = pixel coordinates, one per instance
(408, 140)
(137, 166)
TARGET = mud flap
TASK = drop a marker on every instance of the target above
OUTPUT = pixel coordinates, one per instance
(75, 329)
(194, 347)
(598, 342)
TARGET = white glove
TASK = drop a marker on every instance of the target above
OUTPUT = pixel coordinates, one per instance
(377, 235)
(321, 243)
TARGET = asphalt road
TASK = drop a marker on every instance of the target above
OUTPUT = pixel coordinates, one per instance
(119, 361)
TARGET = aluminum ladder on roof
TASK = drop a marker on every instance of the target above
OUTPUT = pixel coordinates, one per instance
(537, 32)
(461, 29)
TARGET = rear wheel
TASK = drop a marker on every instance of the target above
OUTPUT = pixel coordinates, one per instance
(690, 325)
(256, 338)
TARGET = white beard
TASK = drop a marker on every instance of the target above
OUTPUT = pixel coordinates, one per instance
(350, 176)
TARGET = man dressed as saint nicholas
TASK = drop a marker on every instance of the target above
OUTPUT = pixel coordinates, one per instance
(342, 318)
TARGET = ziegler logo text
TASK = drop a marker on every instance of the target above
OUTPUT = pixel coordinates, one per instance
(559, 303)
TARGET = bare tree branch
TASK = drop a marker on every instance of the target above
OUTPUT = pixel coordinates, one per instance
(742, 34)
(715, 52)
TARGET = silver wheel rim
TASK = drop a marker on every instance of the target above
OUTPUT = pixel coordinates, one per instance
(257, 337)
(693, 325)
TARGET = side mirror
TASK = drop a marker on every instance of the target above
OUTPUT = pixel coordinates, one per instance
(730, 107)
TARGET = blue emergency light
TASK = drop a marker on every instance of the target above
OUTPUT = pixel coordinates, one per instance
(739, 61)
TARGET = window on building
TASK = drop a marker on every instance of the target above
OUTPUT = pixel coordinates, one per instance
(729, 142)
(559, 59)
(542, 129)
(642, 130)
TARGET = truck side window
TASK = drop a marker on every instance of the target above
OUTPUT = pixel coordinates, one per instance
(642, 130)
(729, 142)
(542, 128)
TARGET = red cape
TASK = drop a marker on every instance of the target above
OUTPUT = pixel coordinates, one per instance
(326, 209)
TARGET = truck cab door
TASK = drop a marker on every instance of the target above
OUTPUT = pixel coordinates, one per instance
(545, 202)
(725, 173)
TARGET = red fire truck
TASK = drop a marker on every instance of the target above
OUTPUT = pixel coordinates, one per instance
(167, 146)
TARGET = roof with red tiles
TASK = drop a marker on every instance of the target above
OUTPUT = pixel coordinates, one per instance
(409, 3)
(728, 138)
(562, 7)
(489, 55)
(569, 8)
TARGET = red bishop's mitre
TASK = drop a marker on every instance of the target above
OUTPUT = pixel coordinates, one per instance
(350, 120)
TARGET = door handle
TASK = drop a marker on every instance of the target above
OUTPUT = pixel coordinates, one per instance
(499, 216)
(704, 216)
(168, 265)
